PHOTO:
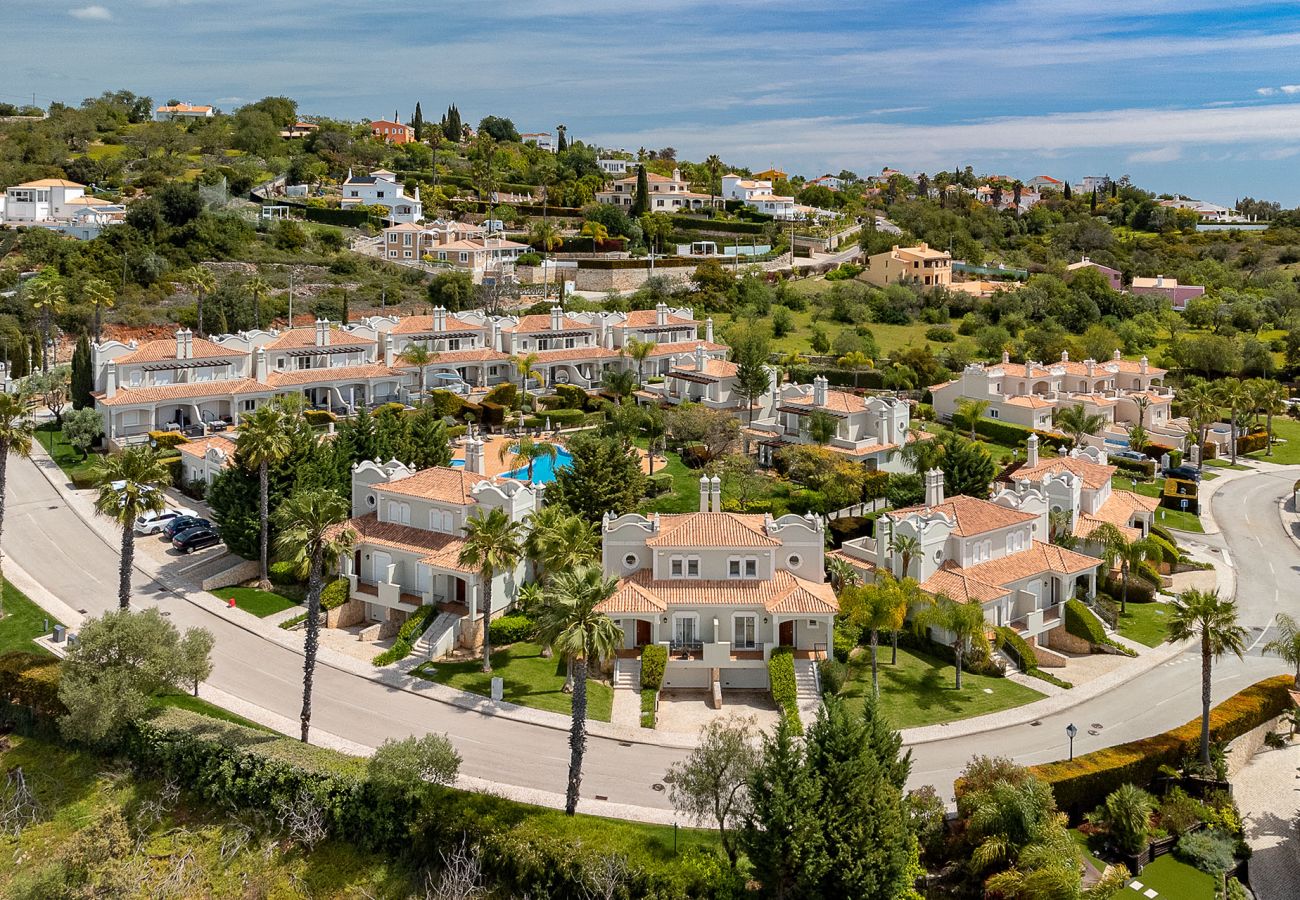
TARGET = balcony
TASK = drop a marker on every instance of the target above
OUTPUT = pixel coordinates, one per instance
(384, 593)
(1037, 621)
(716, 653)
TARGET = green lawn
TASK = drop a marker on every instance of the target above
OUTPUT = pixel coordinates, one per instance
(259, 603)
(1146, 623)
(23, 620)
(890, 338)
(1170, 518)
(68, 458)
(1171, 878)
(1286, 446)
(1226, 464)
(919, 690)
(529, 680)
(204, 708)
(685, 495)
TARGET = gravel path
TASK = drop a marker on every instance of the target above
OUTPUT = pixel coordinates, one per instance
(1268, 794)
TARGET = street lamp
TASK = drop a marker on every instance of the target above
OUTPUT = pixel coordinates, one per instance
(1070, 732)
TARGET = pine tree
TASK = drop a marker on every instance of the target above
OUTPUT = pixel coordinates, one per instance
(427, 441)
(967, 467)
(604, 477)
(563, 143)
(35, 358)
(783, 835)
(641, 200)
(1069, 194)
(417, 125)
(83, 379)
(357, 438)
(1094, 200)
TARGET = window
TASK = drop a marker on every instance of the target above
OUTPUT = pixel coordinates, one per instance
(686, 629)
(742, 567)
(676, 567)
(692, 567)
(794, 561)
(744, 631)
(630, 561)
(993, 412)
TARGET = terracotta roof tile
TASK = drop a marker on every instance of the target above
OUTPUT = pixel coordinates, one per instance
(542, 322)
(971, 515)
(1095, 475)
(676, 347)
(424, 324)
(199, 446)
(713, 368)
(646, 318)
(957, 584)
(785, 593)
(1040, 558)
(329, 374)
(435, 548)
(216, 390)
(156, 351)
(294, 338)
(710, 529)
(448, 484)
(573, 354)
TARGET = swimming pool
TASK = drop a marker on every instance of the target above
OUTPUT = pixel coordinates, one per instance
(544, 469)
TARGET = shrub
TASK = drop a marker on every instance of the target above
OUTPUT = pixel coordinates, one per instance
(31, 680)
(504, 394)
(571, 396)
(654, 659)
(1081, 623)
(659, 483)
(844, 643)
(334, 594)
(511, 629)
(849, 527)
(1180, 812)
(1078, 783)
(493, 415)
(1015, 435)
(1126, 815)
(1145, 468)
(780, 676)
(833, 675)
(941, 334)
(407, 635)
(1251, 443)
(1009, 637)
(294, 622)
(561, 418)
(283, 572)
(695, 456)
(1210, 850)
(1139, 591)
(319, 417)
(168, 440)
(445, 403)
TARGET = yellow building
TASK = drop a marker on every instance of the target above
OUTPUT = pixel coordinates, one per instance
(920, 265)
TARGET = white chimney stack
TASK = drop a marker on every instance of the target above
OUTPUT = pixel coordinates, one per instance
(715, 494)
(388, 350)
(180, 343)
(1006, 357)
(1065, 356)
(704, 493)
(322, 333)
(1144, 365)
(474, 461)
(819, 390)
(934, 487)
(259, 365)
(110, 379)
(699, 358)
(557, 318)
(708, 329)
(1091, 364)
(1031, 451)
(661, 314)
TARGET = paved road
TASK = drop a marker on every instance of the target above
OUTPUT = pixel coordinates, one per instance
(70, 559)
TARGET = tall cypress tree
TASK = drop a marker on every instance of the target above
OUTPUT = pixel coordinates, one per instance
(641, 200)
(563, 143)
(417, 122)
(1069, 194)
(83, 380)
(1094, 200)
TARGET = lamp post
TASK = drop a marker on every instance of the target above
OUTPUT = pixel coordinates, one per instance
(1070, 732)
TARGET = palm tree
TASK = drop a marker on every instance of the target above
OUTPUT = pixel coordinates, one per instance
(1143, 403)
(1285, 645)
(619, 382)
(543, 525)
(1060, 525)
(258, 289)
(821, 427)
(1118, 550)
(875, 607)
(1202, 410)
(1077, 423)
(908, 547)
(855, 360)
(963, 621)
(574, 544)
(971, 411)
(525, 452)
(202, 283)
(1137, 438)
(263, 441)
(525, 364)
(596, 231)
(312, 533)
(493, 544)
(1234, 394)
(416, 354)
(921, 452)
(16, 431)
(48, 297)
(714, 165)
(545, 235)
(640, 351)
(130, 484)
(1269, 399)
(1213, 619)
(101, 294)
(842, 574)
(571, 624)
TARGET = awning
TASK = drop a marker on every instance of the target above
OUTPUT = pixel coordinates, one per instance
(185, 364)
(318, 351)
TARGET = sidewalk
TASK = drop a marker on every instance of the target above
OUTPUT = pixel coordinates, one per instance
(1265, 791)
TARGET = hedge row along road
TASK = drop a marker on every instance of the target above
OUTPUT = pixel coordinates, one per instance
(50, 541)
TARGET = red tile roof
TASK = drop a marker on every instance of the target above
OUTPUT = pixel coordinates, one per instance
(156, 351)
(710, 529)
(971, 515)
(434, 548)
(784, 593)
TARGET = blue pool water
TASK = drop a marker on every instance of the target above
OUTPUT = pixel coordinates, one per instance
(543, 469)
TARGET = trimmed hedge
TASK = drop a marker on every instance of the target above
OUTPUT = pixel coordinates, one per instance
(31, 680)
(1170, 498)
(494, 414)
(334, 594)
(407, 635)
(168, 440)
(572, 397)
(283, 572)
(1016, 435)
(1081, 623)
(1146, 468)
(780, 676)
(719, 225)
(1251, 443)
(563, 417)
(659, 483)
(511, 629)
(1009, 637)
(654, 659)
(1078, 783)
(504, 394)
(320, 417)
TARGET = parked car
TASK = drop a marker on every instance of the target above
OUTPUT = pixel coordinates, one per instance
(1183, 473)
(154, 522)
(196, 539)
(1131, 454)
(182, 523)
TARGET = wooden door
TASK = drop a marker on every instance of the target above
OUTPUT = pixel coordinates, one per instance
(642, 632)
(785, 634)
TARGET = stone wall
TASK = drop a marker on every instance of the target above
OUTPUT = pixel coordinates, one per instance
(628, 279)
(1247, 745)
(236, 574)
(1060, 639)
(352, 612)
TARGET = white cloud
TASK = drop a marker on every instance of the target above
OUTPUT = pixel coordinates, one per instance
(1266, 91)
(1290, 89)
(94, 13)
(1156, 155)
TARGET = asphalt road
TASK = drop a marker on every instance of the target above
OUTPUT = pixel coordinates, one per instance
(51, 542)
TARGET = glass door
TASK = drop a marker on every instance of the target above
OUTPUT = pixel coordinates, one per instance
(744, 629)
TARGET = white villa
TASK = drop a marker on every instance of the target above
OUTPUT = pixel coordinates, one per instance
(1121, 390)
(59, 205)
(992, 552)
(870, 430)
(720, 590)
(200, 386)
(182, 112)
(408, 529)
(381, 188)
(667, 194)
(454, 245)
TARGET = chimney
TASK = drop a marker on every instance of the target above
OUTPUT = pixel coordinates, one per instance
(1091, 364)
(1029, 368)
(180, 343)
(661, 314)
(259, 365)
(677, 174)
(715, 494)
(474, 457)
(189, 344)
(1144, 365)
(322, 333)
(708, 329)
(1006, 357)
(1031, 451)
(934, 487)
(819, 391)
(557, 318)
(1160, 281)
(110, 379)
(1115, 356)
(704, 493)
(388, 350)
(699, 358)
(440, 318)
(1065, 356)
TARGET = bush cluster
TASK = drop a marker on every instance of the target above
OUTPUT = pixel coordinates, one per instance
(1016, 435)
(654, 659)
(334, 594)
(1145, 468)
(1078, 784)
(407, 635)
(319, 417)
(1009, 637)
(511, 629)
(780, 676)
(283, 572)
(833, 674)
(1083, 624)
(168, 440)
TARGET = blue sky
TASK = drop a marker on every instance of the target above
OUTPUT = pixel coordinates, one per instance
(1183, 95)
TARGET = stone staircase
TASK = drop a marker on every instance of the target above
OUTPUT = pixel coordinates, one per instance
(438, 638)
(627, 674)
(806, 684)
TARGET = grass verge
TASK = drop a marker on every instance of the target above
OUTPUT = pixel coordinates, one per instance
(258, 602)
(23, 620)
(1146, 623)
(68, 458)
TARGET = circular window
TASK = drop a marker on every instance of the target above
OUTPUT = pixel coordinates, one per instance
(370, 499)
(630, 561)
(938, 556)
(794, 560)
